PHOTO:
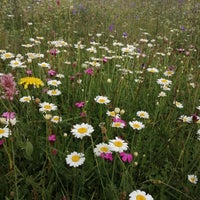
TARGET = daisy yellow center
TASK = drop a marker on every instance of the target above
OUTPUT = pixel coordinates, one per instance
(7, 55)
(117, 124)
(192, 179)
(140, 197)
(136, 125)
(53, 82)
(43, 64)
(26, 99)
(112, 114)
(164, 81)
(2, 131)
(118, 143)
(142, 114)
(75, 158)
(47, 107)
(53, 92)
(56, 118)
(104, 149)
(101, 100)
(82, 130)
(16, 63)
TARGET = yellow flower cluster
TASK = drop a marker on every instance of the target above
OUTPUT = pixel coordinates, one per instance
(31, 81)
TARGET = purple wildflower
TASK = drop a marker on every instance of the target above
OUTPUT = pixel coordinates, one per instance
(107, 156)
(8, 115)
(80, 104)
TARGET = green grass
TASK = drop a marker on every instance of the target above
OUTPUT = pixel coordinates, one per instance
(163, 35)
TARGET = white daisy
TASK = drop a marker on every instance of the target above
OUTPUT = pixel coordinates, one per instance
(143, 114)
(163, 81)
(7, 55)
(136, 125)
(193, 179)
(169, 73)
(101, 148)
(44, 65)
(25, 99)
(82, 130)
(140, 195)
(152, 70)
(118, 145)
(118, 124)
(187, 119)
(55, 92)
(102, 99)
(4, 132)
(111, 113)
(178, 104)
(17, 63)
(56, 119)
(45, 106)
(75, 159)
(55, 83)
(198, 107)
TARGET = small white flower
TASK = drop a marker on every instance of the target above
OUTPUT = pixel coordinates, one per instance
(136, 125)
(118, 145)
(102, 99)
(193, 179)
(75, 159)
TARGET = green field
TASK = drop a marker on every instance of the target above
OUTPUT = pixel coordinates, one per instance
(99, 100)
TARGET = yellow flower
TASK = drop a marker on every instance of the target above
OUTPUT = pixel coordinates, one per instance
(31, 81)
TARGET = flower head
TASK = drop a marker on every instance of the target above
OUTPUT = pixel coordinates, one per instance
(52, 138)
(75, 159)
(118, 122)
(80, 104)
(136, 125)
(140, 195)
(101, 148)
(102, 99)
(82, 130)
(126, 157)
(118, 145)
(143, 114)
(4, 132)
(36, 82)
(193, 179)
(45, 106)
(9, 86)
(107, 156)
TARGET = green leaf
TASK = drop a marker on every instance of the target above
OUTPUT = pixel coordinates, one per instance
(28, 148)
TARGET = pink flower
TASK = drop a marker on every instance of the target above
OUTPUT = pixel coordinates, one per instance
(83, 114)
(126, 157)
(52, 72)
(118, 119)
(54, 152)
(1, 142)
(9, 86)
(52, 138)
(29, 72)
(80, 104)
(53, 52)
(8, 115)
(89, 71)
(107, 156)
(105, 60)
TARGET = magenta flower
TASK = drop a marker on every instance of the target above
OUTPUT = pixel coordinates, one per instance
(8, 115)
(107, 156)
(52, 138)
(80, 104)
(1, 142)
(89, 71)
(126, 157)
(52, 72)
(118, 119)
(53, 52)
(9, 86)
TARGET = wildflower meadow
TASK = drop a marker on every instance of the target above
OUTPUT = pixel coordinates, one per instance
(99, 100)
